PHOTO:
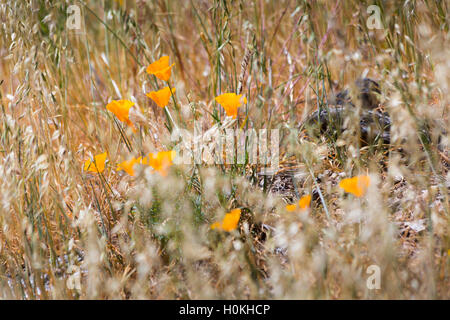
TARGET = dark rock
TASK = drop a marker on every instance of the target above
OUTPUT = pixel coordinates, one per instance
(374, 124)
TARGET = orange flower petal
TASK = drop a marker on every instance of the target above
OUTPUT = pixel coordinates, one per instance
(304, 202)
(158, 65)
(96, 165)
(161, 97)
(230, 103)
(127, 166)
(161, 161)
(121, 109)
(357, 185)
(291, 207)
(161, 68)
(216, 225)
(231, 220)
(165, 73)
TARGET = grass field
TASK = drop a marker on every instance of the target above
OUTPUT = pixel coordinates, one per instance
(94, 205)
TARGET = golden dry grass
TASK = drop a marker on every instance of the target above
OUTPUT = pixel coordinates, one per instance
(69, 234)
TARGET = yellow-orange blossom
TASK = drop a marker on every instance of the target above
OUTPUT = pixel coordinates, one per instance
(160, 162)
(303, 204)
(230, 102)
(161, 97)
(97, 164)
(357, 185)
(161, 68)
(121, 109)
(229, 222)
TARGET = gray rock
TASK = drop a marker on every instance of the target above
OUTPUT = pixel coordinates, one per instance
(374, 124)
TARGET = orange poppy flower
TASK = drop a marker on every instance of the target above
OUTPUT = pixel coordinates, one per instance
(291, 207)
(229, 222)
(231, 102)
(216, 225)
(161, 68)
(161, 161)
(96, 165)
(304, 202)
(357, 185)
(128, 165)
(121, 109)
(161, 97)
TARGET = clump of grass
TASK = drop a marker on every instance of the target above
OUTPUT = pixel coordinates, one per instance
(71, 233)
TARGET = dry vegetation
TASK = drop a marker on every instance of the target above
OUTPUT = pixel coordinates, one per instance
(70, 234)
